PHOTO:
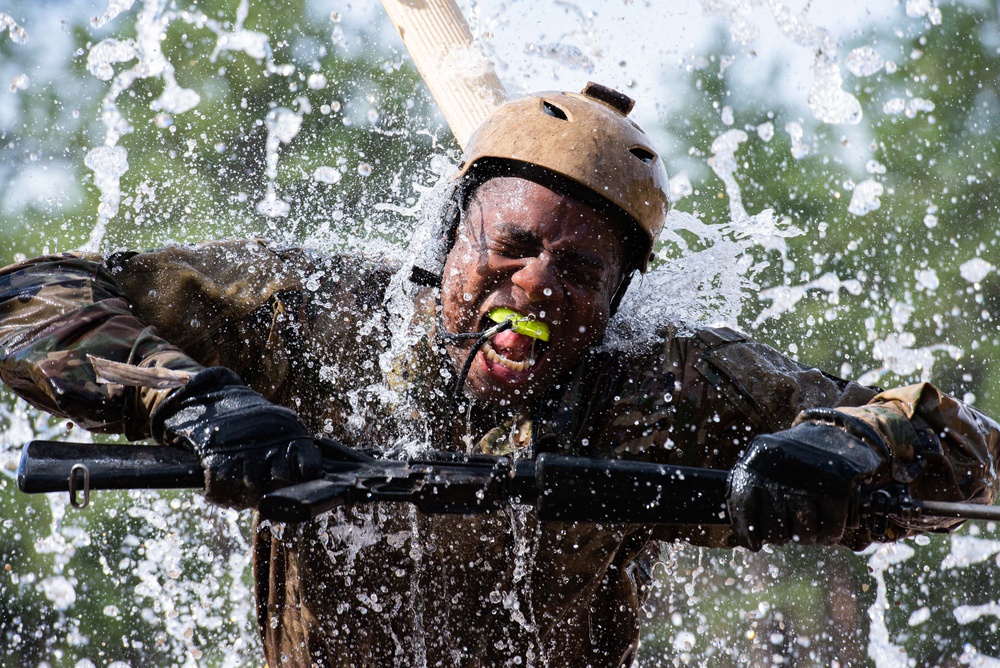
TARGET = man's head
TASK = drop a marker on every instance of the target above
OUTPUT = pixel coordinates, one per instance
(530, 248)
(562, 199)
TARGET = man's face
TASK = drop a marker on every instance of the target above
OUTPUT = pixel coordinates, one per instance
(527, 248)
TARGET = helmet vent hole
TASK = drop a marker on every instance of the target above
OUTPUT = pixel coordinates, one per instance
(554, 111)
(643, 154)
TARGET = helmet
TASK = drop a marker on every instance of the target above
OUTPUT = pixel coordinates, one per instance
(587, 139)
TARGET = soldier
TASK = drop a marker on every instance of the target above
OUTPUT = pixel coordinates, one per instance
(245, 352)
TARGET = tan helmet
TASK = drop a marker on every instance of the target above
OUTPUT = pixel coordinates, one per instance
(586, 138)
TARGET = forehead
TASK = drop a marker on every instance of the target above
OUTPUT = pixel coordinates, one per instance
(516, 205)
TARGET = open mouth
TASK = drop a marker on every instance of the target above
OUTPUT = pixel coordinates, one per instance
(518, 349)
(512, 364)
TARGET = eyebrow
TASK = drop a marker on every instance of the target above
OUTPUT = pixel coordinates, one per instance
(518, 235)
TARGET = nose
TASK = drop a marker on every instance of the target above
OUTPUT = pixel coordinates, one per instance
(538, 278)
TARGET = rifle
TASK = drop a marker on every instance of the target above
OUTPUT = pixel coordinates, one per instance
(559, 487)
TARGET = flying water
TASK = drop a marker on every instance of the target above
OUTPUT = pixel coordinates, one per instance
(187, 563)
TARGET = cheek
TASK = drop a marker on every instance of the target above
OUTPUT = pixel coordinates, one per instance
(589, 319)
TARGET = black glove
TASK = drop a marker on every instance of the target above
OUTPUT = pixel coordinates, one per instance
(247, 445)
(799, 484)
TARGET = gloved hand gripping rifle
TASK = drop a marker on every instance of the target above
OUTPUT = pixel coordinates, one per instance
(559, 487)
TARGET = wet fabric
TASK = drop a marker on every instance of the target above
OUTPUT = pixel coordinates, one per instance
(382, 584)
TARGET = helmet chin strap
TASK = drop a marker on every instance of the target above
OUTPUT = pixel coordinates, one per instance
(481, 339)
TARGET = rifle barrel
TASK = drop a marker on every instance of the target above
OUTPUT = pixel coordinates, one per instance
(969, 511)
(579, 489)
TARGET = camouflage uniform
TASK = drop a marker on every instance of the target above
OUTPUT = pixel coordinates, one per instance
(384, 585)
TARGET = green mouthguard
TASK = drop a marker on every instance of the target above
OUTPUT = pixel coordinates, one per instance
(536, 329)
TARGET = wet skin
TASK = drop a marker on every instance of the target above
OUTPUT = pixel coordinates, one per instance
(525, 247)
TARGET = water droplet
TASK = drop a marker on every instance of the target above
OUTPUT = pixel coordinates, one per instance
(865, 197)
(364, 169)
(19, 82)
(975, 270)
(327, 174)
(316, 81)
(106, 53)
(283, 124)
(864, 61)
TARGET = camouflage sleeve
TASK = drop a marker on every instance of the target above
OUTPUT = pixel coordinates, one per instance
(57, 310)
(706, 394)
(228, 303)
(942, 449)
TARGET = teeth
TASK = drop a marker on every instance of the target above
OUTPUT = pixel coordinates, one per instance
(497, 358)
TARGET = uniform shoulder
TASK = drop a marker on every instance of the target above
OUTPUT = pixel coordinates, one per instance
(250, 262)
(691, 336)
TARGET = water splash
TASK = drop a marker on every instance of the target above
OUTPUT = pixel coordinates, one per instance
(114, 9)
(924, 8)
(723, 252)
(153, 21)
(865, 197)
(881, 649)
(107, 53)
(864, 61)
(711, 268)
(17, 34)
(900, 355)
(785, 298)
(826, 99)
(282, 127)
(108, 163)
(563, 54)
(975, 270)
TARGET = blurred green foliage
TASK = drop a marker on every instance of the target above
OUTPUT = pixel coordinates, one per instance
(936, 213)
(163, 580)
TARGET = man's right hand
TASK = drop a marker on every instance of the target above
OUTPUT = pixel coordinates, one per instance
(248, 446)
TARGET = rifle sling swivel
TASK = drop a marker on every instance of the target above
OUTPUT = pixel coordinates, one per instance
(79, 480)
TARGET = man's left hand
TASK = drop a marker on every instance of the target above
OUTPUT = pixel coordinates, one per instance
(799, 484)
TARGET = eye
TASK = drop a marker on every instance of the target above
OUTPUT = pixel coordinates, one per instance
(509, 249)
(584, 275)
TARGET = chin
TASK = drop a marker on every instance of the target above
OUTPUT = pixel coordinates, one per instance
(488, 382)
